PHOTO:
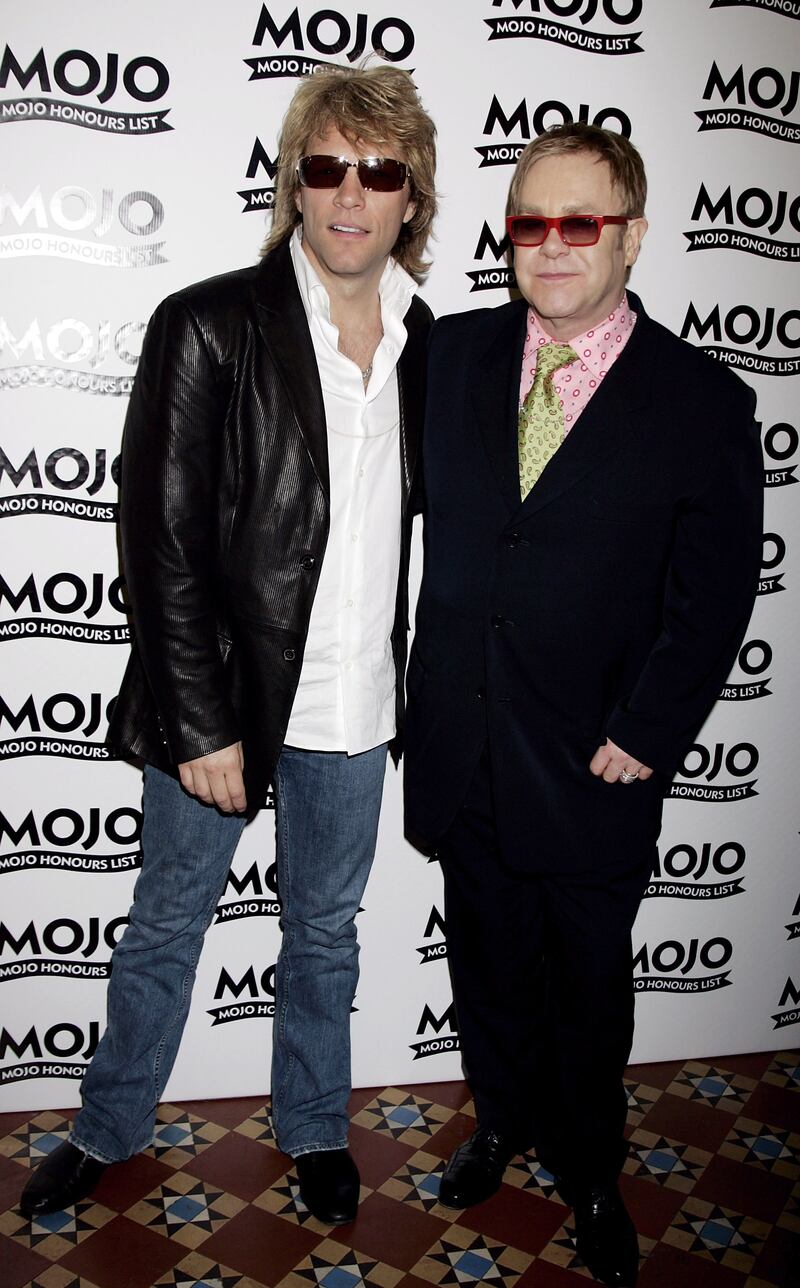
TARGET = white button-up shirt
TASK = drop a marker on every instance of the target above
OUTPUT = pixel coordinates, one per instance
(345, 700)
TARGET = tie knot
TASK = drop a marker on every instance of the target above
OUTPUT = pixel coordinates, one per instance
(550, 357)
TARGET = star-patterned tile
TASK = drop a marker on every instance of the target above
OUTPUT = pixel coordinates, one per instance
(403, 1116)
(332, 1265)
(770, 1147)
(186, 1210)
(666, 1161)
(180, 1136)
(712, 1182)
(463, 1258)
(417, 1183)
(717, 1233)
(717, 1087)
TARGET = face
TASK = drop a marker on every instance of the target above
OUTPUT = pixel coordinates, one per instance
(349, 232)
(573, 288)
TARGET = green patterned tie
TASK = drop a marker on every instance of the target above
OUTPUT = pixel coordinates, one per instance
(541, 420)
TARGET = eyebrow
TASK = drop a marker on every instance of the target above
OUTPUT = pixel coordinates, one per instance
(572, 209)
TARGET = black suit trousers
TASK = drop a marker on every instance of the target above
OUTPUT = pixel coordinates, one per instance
(542, 976)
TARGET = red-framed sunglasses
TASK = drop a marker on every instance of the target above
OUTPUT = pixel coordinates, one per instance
(375, 174)
(574, 230)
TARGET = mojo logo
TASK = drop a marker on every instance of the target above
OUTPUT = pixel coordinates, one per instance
(39, 726)
(766, 87)
(258, 990)
(744, 324)
(746, 221)
(66, 469)
(791, 8)
(51, 226)
(66, 354)
(47, 951)
(540, 25)
(64, 830)
(679, 873)
(772, 558)
(64, 593)
(326, 32)
(259, 198)
(435, 927)
(50, 1051)
(779, 442)
(668, 967)
(258, 895)
(81, 74)
(443, 1041)
(549, 112)
(709, 762)
(793, 927)
(755, 657)
(790, 999)
(490, 279)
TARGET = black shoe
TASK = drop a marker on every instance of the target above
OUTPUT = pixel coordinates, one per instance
(605, 1236)
(475, 1171)
(329, 1185)
(63, 1178)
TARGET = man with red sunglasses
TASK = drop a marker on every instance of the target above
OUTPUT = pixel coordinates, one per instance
(268, 462)
(593, 535)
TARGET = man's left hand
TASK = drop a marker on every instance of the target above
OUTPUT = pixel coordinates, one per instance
(610, 761)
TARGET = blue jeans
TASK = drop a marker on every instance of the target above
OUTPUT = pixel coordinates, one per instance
(327, 808)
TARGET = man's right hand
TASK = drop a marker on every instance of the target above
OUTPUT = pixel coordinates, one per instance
(217, 779)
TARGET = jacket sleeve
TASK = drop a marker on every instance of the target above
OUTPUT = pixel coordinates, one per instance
(710, 589)
(168, 529)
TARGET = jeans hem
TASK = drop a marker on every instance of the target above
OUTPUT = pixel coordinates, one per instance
(316, 1147)
(94, 1153)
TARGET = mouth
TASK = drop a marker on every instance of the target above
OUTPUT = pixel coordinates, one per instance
(349, 230)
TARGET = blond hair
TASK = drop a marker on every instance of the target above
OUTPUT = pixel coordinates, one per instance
(380, 106)
(626, 165)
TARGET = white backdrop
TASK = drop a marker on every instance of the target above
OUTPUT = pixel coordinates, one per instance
(139, 146)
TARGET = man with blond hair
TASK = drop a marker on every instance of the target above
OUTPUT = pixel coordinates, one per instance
(268, 459)
(593, 536)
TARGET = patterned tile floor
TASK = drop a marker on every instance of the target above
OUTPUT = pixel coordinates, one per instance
(712, 1180)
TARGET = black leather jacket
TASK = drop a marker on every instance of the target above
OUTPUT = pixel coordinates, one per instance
(224, 517)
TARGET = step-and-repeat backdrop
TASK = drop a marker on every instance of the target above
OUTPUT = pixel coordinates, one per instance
(139, 154)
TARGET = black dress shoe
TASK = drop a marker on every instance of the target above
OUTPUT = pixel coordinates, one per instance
(329, 1185)
(475, 1171)
(605, 1236)
(63, 1178)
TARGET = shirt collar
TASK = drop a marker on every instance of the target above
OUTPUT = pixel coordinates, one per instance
(590, 346)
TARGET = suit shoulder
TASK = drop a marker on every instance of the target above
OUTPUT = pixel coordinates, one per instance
(710, 378)
(223, 291)
(472, 323)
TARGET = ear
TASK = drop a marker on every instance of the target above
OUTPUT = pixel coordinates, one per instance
(634, 232)
(298, 198)
(410, 210)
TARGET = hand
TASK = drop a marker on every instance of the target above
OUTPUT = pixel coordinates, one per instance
(216, 779)
(608, 761)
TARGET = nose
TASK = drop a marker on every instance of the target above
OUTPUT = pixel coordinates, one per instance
(350, 192)
(553, 246)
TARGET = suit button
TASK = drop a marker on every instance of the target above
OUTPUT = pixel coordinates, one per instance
(308, 563)
(480, 694)
(513, 539)
(289, 655)
(498, 620)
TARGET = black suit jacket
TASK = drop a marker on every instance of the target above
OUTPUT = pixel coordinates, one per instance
(224, 517)
(610, 603)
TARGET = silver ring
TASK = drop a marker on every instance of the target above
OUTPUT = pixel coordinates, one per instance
(625, 777)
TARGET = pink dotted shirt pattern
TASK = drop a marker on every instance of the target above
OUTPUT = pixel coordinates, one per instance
(598, 350)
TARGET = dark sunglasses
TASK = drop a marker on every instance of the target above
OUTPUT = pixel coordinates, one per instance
(574, 230)
(375, 174)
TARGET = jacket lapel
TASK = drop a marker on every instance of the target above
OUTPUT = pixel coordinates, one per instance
(411, 391)
(284, 329)
(609, 422)
(495, 394)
